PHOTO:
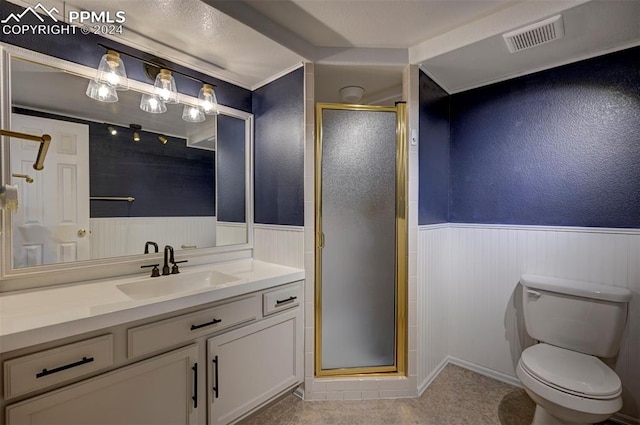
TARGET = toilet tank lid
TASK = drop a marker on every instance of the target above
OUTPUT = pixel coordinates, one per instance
(577, 288)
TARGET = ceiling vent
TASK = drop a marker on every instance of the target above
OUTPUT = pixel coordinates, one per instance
(535, 34)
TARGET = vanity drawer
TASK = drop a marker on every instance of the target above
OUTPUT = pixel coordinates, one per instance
(57, 365)
(281, 299)
(166, 333)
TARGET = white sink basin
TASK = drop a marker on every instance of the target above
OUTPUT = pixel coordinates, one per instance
(174, 284)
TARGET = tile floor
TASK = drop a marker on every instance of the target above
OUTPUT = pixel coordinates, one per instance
(456, 396)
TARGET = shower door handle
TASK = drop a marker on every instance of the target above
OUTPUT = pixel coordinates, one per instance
(320, 240)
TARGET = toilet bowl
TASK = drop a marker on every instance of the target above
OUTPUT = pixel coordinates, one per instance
(568, 387)
(575, 323)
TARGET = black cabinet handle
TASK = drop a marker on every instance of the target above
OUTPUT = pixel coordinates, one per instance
(213, 322)
(46, 372)
(216, 387)
(278, 302)
(195, 386)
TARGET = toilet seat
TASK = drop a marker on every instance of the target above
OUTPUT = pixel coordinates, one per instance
(571, 372)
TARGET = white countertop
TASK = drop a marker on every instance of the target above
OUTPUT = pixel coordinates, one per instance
(42, 315)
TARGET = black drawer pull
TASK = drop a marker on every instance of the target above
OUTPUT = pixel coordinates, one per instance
(216, 386)
(213, 322)
(288, 300)
(194, 368)
(46, 372)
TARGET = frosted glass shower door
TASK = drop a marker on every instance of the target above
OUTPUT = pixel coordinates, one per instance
(356, 254)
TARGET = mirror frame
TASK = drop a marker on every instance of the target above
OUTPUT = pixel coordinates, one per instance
(76, 271)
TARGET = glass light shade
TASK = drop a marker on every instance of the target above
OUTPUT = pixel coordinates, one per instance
(193, 113)
(152, 104)
(111, 71)
(102, 92)
(209, 100)
(165, 87)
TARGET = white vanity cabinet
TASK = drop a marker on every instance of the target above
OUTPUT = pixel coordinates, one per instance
(210, 364)
(160, 390)
(252, 365)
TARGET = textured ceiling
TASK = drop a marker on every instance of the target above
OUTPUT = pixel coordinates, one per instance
(381, 23)
(458, 42)
(198, 35)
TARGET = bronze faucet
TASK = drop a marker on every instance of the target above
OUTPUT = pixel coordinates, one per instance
(150, 243)
(168, 258)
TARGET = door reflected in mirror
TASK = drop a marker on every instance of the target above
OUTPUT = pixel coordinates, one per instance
(117, 177)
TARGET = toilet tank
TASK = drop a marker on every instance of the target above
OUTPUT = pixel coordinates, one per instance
(580, 316)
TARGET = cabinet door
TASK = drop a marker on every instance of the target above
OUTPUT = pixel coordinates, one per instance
(253, 364)
(160, 390)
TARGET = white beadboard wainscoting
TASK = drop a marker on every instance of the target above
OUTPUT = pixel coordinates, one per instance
(228, 233)
(433, 316)
(279, 244)
(111, 237)
(470, 300)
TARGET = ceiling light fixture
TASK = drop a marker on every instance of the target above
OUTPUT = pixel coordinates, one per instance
(192, 113)
(163, 140)
(209, 99)
(111, 76)
(351, 94)
(112, 130)
(165, 87)
(102, 92)
(111, 71)
(136, 131)
(152, 104)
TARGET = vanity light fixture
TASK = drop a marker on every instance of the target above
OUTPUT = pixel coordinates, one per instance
(136, 131)
(112, 130)
(111, 71)
(165, 87)
(192, 113)
(209, 101)
(162, 140)
(152, 104)
(102, 92)
(111, 76)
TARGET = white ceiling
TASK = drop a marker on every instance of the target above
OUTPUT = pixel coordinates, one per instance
(380, 23)
(458, 42)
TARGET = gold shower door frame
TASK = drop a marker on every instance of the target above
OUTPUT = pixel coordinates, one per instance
(399, 367)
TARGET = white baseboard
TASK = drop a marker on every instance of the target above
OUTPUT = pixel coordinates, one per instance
(499, 376)
(299, 392)
(619, 418)
(429, 379)
(286, 228)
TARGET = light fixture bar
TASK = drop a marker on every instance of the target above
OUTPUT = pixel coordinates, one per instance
(155, 64)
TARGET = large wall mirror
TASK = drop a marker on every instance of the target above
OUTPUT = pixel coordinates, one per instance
(117, 177)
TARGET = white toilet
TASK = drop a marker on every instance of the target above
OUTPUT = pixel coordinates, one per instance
(575, 323)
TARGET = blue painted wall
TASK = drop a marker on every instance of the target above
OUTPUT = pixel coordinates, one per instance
(84, 49)
(433, 205)
(559, 147)
(169, 180)
(231, 169)
(279, 150)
